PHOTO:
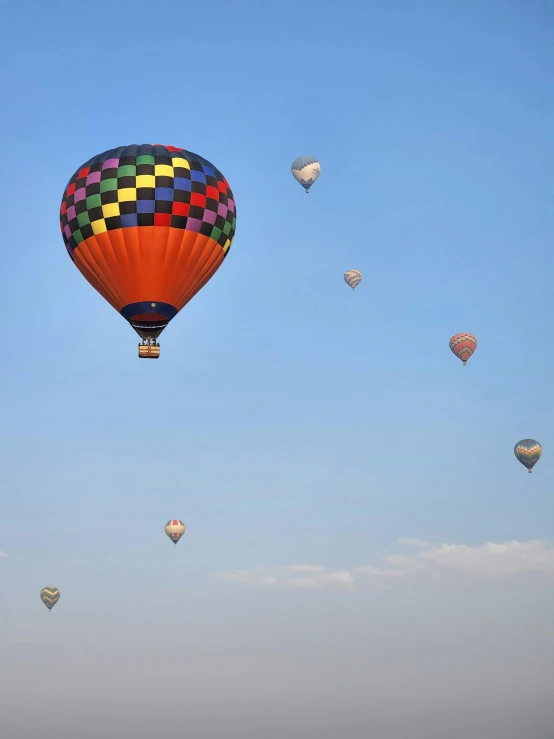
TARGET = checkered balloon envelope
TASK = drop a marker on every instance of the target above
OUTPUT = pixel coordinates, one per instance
(148, 226)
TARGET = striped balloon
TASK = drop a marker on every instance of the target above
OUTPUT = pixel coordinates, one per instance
(463, 346)
(305, 170)
(50, 596)
(175, 529)
(528, 452)
(353, 277)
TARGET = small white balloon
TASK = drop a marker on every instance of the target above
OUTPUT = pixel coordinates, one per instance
(305, 170)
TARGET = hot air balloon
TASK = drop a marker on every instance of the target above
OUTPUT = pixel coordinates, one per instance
(463, 346)
(50, 596)
(175, 529)
(305, 170)
(528, 452)
(148, 226)
(353, 277)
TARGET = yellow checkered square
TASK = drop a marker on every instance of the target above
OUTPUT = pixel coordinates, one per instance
(127, 194)
(163, 170)
(109, 210)
(178, 162)
(98, 227)
(146, 180)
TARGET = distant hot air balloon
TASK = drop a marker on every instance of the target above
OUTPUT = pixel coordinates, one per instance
(305, 170)
(528, 452)
(148, 226)
(353, 277)
(50, 596)
(175, 529)
(463, 346)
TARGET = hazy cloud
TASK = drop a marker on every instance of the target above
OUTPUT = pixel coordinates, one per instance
(408, 542)
(489, 560)
(254, 575)
(341, 579)
(3, 554)
(308, 569)
(294, 576)
(436, 562)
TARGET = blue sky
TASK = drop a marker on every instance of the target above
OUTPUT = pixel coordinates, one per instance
(289, 421)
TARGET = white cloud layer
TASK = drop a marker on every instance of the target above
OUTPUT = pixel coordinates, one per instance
(440, 562)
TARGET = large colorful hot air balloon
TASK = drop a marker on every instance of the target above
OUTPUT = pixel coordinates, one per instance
(528, 452)
(352, 277)
(148, 226)
(50, 596)
(463, 346)
(175, 529)
(305, 170)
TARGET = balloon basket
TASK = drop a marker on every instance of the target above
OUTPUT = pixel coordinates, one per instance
(149, 351)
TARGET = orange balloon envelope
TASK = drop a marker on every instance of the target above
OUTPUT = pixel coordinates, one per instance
(463, 346)
(148, 226)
